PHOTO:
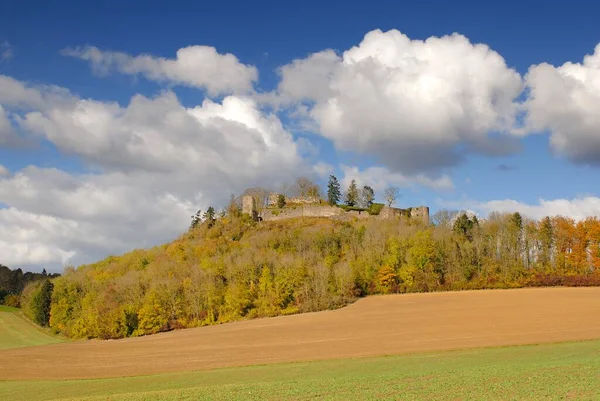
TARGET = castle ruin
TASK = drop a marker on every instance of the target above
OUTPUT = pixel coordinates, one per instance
(315, 207)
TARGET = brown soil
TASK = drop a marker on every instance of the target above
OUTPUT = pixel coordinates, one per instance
(378, 325)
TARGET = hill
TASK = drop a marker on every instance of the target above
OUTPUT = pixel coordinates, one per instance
(17, 332)
(234, 268)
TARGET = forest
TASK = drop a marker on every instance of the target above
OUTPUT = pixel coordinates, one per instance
(228, 268)
(12, 283)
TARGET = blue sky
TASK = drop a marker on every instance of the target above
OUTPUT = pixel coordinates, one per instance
(49, 164)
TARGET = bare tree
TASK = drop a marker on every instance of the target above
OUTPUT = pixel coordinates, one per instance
(444, 218)
(305, 188)
(391, 194)
(260, 195)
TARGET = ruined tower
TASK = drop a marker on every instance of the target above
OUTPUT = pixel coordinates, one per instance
(249, 207)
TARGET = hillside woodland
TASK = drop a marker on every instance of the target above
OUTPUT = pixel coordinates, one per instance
(12, 283)
(229, 268)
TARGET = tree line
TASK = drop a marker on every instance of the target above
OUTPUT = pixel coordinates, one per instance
(12, 283)
(231, 268)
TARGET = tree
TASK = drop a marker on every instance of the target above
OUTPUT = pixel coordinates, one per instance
(546, 239)
(333, 190)
(196, 219)
(367, 196)
(233, 209)
(209, 216)
(444, 217)
(281, 201)
(463, 225)
(352, 194)
(39, 304)
(390, 195)
(306, 188)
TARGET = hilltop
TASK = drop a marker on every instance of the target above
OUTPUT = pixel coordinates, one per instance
(232, 267)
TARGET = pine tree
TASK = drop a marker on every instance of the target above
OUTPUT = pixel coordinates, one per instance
(209, 216)
(352, 194)
(333, 190)
(196, 219)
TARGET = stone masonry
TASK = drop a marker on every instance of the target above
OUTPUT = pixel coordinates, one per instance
(311, 207)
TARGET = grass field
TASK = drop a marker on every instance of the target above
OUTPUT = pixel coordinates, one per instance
(17, 332)
(539, 372)
(334, 355)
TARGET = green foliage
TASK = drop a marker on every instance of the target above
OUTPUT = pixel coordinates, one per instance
(12, 282)
(375, 209)
(209, 216)
(334, 193)
(196, 219)
(352, 194)
(37, 301)
(281, 201)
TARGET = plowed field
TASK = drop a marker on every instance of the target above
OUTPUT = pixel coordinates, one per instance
(373, 326)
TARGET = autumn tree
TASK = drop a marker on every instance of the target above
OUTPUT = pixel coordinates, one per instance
(546, 240)
(391, 194)
(306, 188)
(367, 196)
(333, 190)
(352, 194)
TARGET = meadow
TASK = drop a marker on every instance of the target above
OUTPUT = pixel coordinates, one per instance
(16, 331)
(440, 346)
(537, 372)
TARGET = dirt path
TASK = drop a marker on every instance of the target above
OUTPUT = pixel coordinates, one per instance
(373, 326)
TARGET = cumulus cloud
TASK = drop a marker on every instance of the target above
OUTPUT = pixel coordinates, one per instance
(578, 208)
(195, 66)
(379, 178)
(4, 171)
(155, 162)
(565, 100)
(417, 106)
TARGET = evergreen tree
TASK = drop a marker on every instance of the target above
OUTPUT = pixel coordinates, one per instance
(281, 201)
(352, 194)
(196, 219)
(333, 190)
(40, 303)
(209, 216)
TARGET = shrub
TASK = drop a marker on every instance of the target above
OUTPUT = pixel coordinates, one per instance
(12, 300)
(281, 201)
(375, 209)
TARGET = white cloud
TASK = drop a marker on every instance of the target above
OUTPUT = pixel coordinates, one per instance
(155, 163)
(566, 101)
(4, 171)
(380, 178)
(195, 66)
(577, 208)
(6, 51)
(411, 103)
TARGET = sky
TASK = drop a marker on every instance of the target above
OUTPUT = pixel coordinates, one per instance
(119, 121)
